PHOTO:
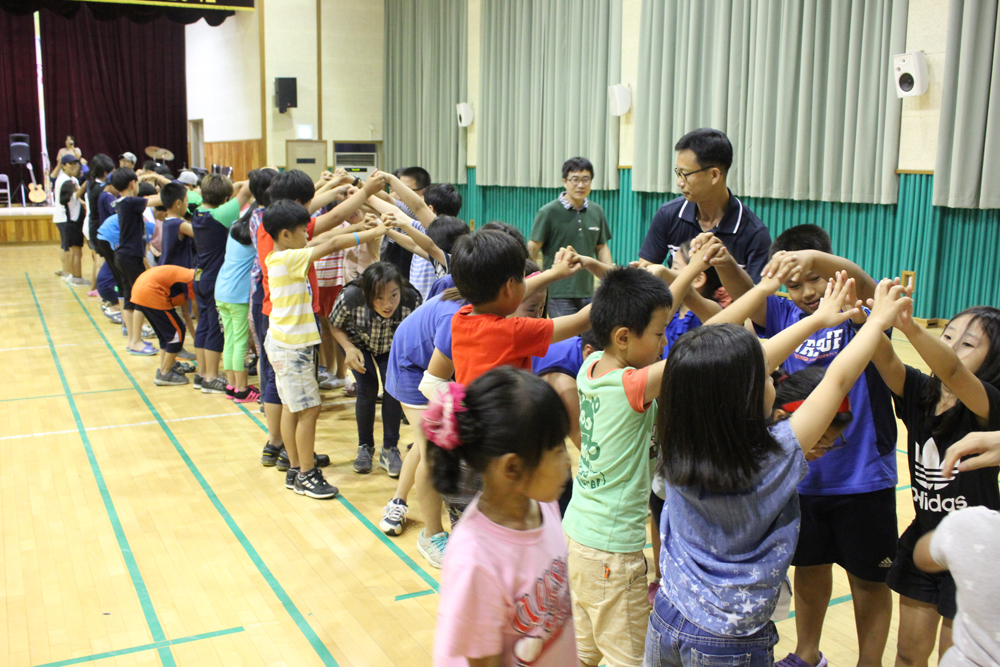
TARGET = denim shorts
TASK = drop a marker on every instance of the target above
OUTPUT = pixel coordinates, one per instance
(673, 641)
(295, 375)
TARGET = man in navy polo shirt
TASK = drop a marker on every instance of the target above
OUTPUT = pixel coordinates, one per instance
(707, 205)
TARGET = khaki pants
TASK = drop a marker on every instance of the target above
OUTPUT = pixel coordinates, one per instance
(610, 605)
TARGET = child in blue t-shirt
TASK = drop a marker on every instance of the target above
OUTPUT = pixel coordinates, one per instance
(848, 498)
(232, 298)
(731, 518)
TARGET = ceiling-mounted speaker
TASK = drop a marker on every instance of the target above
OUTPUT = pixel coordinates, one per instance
(620, 98)
(465, 114)
(910, 73)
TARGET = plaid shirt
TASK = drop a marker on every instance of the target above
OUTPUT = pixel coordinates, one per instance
(366, 329)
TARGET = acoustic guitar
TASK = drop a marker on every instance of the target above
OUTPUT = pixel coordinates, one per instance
(36, 194)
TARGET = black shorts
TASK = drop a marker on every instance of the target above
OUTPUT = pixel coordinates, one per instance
(129, 270)
(856, 531)
(169, 328)
(73, 235)
(907, 579)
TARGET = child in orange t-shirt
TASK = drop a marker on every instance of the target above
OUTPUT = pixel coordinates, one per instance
(156, 292)
(488, 268)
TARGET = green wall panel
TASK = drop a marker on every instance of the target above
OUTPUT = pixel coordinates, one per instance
(955, 252)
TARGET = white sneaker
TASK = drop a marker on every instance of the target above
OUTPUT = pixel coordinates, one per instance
(329, 383)
(432, 548)
(394, 517)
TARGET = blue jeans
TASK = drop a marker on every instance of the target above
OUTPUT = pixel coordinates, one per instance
(672, 641)
(560, 307)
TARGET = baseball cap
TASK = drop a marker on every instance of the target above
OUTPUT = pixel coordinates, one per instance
(69, 157)
(128, 156)
(188, 178)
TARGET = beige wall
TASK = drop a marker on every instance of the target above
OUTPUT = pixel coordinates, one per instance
(926, 30)
(228, 99)
(223, 77)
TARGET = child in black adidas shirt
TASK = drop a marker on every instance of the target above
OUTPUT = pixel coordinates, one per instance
(938, 410)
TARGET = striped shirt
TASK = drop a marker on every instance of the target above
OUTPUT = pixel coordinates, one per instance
(292, 322)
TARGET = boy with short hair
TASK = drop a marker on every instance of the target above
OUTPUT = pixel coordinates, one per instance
(156, 293)
(293, 335)
(848, 498)
(571, 220)
(605, 522)
(129, 256)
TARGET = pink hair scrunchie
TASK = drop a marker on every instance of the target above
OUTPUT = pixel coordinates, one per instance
(439, 420)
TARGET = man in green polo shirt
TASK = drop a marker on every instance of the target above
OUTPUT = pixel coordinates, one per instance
(571, 220)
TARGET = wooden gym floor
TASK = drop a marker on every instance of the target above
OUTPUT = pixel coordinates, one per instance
(139, 528)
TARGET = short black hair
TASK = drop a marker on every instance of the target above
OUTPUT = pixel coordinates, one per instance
(260, 181)
(627, 297)
(575, 164)
(421, 178)
(509, 230)
(100, 166)
(798, 386)
(121, 178)
(284, 214)
(710, 147)
(376, 277)
(149, 165)
(293, 184)
(146, 189)
(164, 170)
(483, 262)
(803, 237)
(588, 338)
(445, 230)
(711, 425)
(171, 193)
(216, 190)
(444, 198)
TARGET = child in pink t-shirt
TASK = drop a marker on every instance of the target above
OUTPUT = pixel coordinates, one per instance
(504, 581)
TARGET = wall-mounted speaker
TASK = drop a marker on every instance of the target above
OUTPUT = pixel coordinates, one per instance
(285, 93)
(910, 73)
(620, 98)
(465, 114)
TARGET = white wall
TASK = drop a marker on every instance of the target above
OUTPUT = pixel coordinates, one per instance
(223, 77)
(926, 30)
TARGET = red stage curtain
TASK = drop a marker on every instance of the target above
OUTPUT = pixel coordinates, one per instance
(18, 92)
(114, 85)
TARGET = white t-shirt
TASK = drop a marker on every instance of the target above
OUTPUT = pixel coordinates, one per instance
(59, 214)
(967, 542)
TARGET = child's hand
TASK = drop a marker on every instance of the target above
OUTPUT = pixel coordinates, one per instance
(888, 304)
(568, 264)
(708, 247)
(375, 183)
(904, 322)
(831, 311)
(852, 299)
(782, 267)
(700, 241)
(658, 270)
(379, 229)
(370, 222)
(355, 360)
(326, 176)
(390, 221)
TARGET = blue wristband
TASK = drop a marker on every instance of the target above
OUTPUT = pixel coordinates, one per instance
(357, 238)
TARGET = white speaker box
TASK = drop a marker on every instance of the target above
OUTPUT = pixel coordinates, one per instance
(620, 98)
(465, 114)
(910, 73)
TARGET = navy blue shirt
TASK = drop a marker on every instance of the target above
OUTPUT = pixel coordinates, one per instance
(131, 227)
(176, 248)
(868, 460)
(740, 230)
(210, 237)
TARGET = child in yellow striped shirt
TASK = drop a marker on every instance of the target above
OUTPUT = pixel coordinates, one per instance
(293, 334)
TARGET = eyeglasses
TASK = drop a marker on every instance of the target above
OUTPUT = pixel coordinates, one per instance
(579, 180)
(684, 176)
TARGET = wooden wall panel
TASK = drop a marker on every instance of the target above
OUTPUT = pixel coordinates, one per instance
(242, 156)
(28, 229)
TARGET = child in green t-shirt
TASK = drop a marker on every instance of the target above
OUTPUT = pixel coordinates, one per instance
(606, 519)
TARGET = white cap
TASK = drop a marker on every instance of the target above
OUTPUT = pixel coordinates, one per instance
(188, 178)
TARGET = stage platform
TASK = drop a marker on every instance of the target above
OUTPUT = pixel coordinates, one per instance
(27, 224)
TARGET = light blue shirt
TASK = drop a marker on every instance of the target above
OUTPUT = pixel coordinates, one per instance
(725, 555)
(109, 230)
(233, 283)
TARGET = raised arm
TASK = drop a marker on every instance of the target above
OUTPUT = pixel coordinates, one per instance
(827, 265)
(354, 201)
(397, 219)
(333, 242)
(571, 325)
(413, 201)
(811, 420)
(889, 366)
(698, 263)
(737, 282)
(780, 267)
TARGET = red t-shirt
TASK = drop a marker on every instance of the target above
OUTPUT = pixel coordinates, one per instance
(265, 245)
(483, 342)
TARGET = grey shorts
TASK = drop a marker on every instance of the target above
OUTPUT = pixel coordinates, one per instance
(295, 375)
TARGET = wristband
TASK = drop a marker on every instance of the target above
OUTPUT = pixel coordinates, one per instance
(357, 238)
(356, 181)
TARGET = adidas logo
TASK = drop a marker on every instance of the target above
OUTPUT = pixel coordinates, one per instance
(885, 563)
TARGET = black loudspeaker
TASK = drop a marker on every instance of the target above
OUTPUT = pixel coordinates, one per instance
(285, 93)
(20, 151)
